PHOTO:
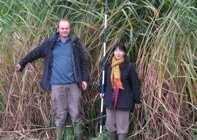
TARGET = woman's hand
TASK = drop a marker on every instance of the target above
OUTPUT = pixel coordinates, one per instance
(137, 106)
(102, 95)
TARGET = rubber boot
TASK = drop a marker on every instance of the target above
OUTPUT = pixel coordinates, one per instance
(59, 133)
(122, 137)
(113, 136)
(78, 131)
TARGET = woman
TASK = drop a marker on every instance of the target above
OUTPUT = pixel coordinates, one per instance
(122, 92)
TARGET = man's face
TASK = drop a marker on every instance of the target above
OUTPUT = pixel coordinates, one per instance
(64, 29)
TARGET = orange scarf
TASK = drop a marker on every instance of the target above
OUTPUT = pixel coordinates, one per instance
(115, 73)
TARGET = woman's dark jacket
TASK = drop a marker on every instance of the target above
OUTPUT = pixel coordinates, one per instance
(131, 93)
(45, 50)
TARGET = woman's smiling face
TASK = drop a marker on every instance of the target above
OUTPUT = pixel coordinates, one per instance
(118, 53)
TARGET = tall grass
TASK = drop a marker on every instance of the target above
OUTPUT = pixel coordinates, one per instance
(161, 39)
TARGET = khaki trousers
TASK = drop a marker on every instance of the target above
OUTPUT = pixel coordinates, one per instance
(66, 99)
(117, 121)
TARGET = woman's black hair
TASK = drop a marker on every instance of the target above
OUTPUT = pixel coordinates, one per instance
(122, 47)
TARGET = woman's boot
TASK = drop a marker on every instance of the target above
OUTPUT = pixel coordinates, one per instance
(113, 136)
(122, 137)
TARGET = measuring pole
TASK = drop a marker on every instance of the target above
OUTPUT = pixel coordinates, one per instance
(104, 62)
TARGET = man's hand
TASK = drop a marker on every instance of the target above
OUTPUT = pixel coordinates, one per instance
(84, 85)
(18, 66)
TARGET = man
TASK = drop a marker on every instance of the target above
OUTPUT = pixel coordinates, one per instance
(65, 74)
